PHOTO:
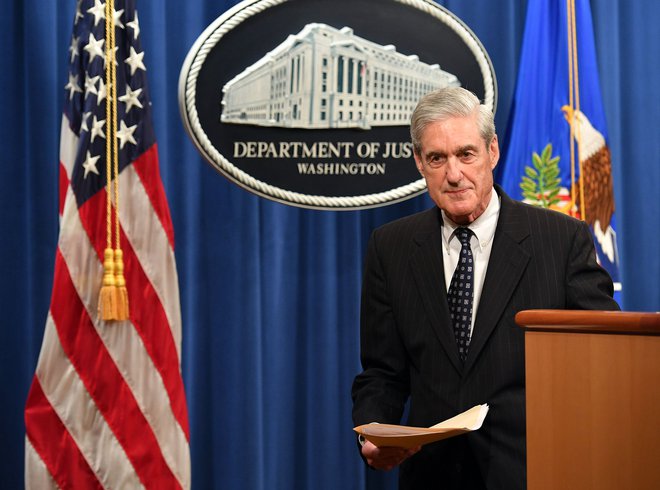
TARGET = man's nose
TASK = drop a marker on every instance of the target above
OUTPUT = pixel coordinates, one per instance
(454, 174)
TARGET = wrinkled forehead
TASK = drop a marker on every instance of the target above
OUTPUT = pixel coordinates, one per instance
(452, 133)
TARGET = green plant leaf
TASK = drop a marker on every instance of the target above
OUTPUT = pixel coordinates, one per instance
(540, 183)
(531, 173)
(547, 151)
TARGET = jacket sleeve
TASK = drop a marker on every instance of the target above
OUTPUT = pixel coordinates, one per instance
(588, 285)
(381, 390)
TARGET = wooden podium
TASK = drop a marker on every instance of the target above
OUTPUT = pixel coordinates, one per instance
(593, 399)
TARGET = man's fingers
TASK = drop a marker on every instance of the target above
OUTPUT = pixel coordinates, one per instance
(386, 458)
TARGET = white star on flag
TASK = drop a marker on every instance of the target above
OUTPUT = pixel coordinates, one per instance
(94, 47)
(72, 86)
(98, 11)
(90, 85)
(117, 16)
(83, 121)
(74, 48)
(131, 98)
(79, 14)
(90, 164)
(135, 25)
(115, 51)
(97, 128)
(101, 93)
(125, 134)
(135, 61)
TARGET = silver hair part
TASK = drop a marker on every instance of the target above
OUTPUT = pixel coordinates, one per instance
(446, 103)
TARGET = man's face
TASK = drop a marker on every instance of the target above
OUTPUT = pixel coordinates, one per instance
(458, 167)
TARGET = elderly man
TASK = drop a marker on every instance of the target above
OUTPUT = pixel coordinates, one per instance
(440, 292)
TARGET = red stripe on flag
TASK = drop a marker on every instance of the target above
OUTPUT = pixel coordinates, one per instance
(105, 383)
(150, 321)
(146, 166)
(146, 311)
(64, 186)
(54, 444)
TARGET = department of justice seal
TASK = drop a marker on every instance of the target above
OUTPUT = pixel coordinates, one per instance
(308, 102)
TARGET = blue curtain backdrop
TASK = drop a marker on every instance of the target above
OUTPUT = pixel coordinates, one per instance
(270, 293)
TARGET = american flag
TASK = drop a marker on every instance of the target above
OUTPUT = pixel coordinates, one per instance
(107, 406)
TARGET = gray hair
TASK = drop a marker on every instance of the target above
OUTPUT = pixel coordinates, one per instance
(446, 103)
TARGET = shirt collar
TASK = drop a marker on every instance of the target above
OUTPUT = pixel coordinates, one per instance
(483, 227)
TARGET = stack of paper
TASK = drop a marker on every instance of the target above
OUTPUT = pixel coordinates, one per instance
(407, 437)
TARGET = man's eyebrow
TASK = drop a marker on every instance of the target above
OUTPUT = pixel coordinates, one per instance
(434, 153)
(463, 149)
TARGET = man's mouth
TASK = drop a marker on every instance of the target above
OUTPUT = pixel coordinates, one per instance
(456, 192)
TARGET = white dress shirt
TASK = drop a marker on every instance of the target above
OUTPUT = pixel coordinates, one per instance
(481, 244)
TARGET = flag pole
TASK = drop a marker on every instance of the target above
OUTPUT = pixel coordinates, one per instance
(574, 104)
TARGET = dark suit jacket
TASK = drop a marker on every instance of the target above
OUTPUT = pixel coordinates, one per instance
(539, 259)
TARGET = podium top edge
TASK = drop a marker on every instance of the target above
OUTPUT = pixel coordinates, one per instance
(624, 322)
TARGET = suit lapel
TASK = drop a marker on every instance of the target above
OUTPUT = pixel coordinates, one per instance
(428, 272)
(508, 260)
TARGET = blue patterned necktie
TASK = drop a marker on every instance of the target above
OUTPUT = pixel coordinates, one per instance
(461, 292)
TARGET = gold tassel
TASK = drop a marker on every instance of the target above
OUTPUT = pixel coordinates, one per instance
(122, 292)
(108, 296)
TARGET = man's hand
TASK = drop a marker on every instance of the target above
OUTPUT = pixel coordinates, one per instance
(386, 458)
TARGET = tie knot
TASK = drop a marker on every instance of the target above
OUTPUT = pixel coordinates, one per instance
(464, 235)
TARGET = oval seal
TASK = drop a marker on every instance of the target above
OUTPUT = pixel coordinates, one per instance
(307, 102)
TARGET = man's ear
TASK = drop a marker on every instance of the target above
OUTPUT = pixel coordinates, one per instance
(418, 163)
(494, 152)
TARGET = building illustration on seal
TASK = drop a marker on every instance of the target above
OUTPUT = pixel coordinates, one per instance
(325, 77)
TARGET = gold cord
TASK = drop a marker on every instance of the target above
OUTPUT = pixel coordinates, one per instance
(113, 301)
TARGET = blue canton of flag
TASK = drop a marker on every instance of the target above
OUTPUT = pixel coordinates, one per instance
(85, 103)
(558, 102)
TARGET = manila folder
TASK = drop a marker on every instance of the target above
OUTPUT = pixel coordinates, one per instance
(408, 437)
